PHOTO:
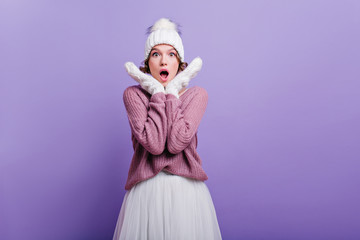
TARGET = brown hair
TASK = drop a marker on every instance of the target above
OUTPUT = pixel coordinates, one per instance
(146, 68)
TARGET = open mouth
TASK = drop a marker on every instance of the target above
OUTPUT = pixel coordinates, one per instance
(164, 75)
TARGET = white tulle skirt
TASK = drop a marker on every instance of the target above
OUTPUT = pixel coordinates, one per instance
(167, 207)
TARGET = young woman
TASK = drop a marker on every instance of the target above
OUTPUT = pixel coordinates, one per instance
(166, 196)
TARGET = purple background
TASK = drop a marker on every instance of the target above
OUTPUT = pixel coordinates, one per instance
(280, 140)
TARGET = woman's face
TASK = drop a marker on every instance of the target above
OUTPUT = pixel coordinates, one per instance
(163, 63)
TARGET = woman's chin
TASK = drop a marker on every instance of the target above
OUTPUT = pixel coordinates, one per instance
(164, 83)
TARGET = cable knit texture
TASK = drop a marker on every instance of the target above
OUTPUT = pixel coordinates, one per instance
(164, 133)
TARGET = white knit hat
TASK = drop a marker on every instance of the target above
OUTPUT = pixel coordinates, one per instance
(164, 31)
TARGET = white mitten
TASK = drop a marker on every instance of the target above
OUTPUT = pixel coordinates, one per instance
(183, 78)
(148, 82)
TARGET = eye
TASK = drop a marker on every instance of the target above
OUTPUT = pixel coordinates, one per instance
(155, 54)
(172, 54)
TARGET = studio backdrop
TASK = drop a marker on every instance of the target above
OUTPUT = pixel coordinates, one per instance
(279, 140)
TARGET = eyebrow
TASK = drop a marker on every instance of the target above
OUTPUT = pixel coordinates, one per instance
(156, 49)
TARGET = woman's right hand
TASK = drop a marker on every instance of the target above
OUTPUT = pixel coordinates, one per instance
(148, 82)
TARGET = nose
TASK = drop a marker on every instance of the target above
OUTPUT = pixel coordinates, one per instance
(163, 61)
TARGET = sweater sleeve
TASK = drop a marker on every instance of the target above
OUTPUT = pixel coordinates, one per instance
(148, 123)
(183, 123)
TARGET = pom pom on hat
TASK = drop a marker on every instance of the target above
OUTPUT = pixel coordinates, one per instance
(163, 23)
(164, 31)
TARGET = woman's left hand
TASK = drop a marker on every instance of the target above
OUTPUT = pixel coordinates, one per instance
(183, 78)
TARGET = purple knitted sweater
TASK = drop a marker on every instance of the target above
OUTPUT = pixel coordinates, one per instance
(164, 133)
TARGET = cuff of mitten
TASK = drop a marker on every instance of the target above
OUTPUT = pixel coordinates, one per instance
(172, 92)
(158, 90)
